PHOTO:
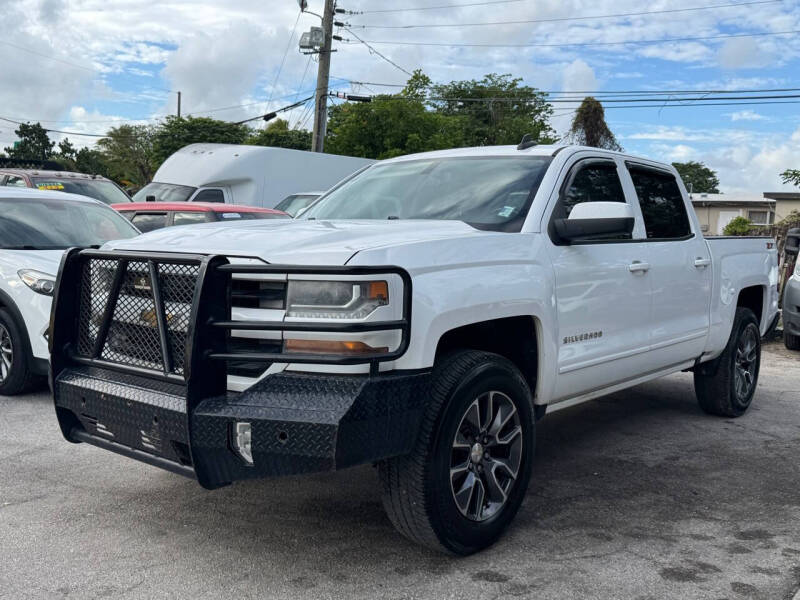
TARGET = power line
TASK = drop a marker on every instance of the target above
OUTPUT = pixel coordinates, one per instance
(283, 60)
(561, 19)
(373, 50)
(582, 44)
(50, 57)
(442, 6)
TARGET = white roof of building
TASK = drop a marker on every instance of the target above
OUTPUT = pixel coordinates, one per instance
(738, 198)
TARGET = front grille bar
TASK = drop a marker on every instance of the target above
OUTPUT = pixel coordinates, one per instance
(161, 319)
(111, 304)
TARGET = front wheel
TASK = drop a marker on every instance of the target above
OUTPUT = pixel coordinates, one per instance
(729, 391)
(15, 374)
(792, 342)
(467, 475)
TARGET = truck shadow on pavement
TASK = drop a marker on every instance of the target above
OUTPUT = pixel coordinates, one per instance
(640, 480)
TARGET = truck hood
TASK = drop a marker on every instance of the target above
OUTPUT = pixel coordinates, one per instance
(293, 242)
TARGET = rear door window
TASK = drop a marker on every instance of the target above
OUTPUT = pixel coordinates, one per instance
(16, 181)
(149, 221)
(662, 204)
(190, 218)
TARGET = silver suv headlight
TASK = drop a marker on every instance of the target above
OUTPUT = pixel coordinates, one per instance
(41, 283)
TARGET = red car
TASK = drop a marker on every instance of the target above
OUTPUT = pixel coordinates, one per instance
(148, 216)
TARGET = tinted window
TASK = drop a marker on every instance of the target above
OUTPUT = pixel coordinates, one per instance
(296, 202)
(149, 221)
(190, 218)
(593, 182)
(99, 189)
(164, 192)
(16, 181)
(491, 193)
(46, 223)
(662, 205)
(209, 196)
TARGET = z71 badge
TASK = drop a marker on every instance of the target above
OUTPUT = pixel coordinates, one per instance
(582, 337)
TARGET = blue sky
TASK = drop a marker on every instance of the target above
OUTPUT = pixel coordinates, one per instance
(85, 65)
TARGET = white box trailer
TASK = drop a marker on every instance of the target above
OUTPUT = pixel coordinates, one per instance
(239, 174)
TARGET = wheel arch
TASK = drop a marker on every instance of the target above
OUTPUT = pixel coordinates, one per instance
(754, 297)
(517, 338)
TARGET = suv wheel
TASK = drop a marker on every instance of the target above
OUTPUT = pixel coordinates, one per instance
(792, 342)
(467, 475)
(15, 375)
(729, 391)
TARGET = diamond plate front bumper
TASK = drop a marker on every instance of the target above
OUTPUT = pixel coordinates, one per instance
(301, 423)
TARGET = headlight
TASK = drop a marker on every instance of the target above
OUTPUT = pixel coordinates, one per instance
(39, 282)
(335, 299)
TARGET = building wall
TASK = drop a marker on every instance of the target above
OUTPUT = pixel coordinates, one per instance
(709, 216)
(784, 207)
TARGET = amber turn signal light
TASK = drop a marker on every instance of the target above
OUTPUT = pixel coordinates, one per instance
(330, 347)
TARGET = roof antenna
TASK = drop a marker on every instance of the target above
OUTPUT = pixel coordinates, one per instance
(527, 142)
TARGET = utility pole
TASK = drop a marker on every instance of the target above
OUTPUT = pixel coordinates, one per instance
(179, 104)
(323, 73)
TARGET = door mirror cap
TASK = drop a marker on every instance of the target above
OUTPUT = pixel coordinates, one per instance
(596, 221)
(792, 245)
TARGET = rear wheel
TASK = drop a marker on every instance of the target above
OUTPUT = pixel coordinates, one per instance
(729, 391)
(15, 373)
(467, 475)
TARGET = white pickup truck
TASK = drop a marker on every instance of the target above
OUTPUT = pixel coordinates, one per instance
(423, 315)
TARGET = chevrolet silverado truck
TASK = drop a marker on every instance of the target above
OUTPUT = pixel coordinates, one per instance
(422, 316)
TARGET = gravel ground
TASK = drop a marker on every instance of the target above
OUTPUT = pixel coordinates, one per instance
(635, 495)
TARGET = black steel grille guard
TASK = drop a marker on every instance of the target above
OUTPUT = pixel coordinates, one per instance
(174, 343)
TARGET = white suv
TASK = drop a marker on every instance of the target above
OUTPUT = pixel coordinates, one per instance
(35, 229)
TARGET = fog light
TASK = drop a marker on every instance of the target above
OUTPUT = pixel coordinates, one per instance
(243, 441)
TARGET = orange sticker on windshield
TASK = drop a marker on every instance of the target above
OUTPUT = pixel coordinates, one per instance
(50, 185)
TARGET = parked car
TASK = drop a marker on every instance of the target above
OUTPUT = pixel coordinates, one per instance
(35, 229)
(251, 175)
(148, 216)
(791, 293)
(422, 316)
(296, 203)
(93, 186)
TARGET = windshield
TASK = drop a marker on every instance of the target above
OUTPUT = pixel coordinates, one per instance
(50, 224)
(164, 192)
(292, 204)
(99, 189)
(492, 193)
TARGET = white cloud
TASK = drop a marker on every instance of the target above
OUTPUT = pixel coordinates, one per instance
(743, 53)
(746, 115)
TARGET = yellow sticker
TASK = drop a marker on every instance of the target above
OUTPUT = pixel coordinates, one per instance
(50, 185)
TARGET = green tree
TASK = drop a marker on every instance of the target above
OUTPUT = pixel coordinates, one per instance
(128, 153)
(88, 160)
(175, 133)
(589, 127)
(791, 176)
(390, 126)
(738, 226)
(34, 144)
(499, 108)
(698, 177)
(278, 134)
(66, 150)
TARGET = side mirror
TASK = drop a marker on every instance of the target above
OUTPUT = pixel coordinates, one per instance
(149, 198)
(792, 245)
(595, 221)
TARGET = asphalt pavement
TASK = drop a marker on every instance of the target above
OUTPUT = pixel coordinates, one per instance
(636, 495)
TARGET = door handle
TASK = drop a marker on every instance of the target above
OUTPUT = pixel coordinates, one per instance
(701, 262)
(638, 266)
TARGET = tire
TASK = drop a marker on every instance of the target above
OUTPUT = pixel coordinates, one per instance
(729, 391)
(15, 374)
(792, 342)
(427, 493)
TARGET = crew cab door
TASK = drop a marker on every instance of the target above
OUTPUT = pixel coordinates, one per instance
(680, 268)
(602, 286)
